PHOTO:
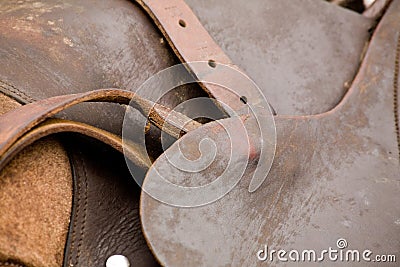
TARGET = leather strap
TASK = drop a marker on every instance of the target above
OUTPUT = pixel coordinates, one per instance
(178, 24)
(16, 126)
(191, 43)
(135, 153)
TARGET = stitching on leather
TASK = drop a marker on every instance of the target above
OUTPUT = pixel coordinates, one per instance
(395, 93)
(83, 224)
(9, 87)
(75, 219)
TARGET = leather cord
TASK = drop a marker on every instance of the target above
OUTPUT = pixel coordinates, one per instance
(23, 125)
(133, 152)
(191, 42)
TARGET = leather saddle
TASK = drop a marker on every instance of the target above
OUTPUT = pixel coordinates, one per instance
(67, 196)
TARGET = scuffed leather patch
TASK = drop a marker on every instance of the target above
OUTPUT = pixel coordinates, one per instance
(35, 203)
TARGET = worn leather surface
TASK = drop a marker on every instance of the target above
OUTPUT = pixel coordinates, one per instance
(24, 125)
(299, 54)
(39, 66)
(335, 175)
(105, 218)
(77, 46)
(35, 203)
(103, 44)
(10, 264)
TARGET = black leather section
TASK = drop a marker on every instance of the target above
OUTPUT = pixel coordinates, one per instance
(105, 218)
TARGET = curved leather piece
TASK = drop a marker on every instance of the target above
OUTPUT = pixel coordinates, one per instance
(48, 74)
(302, 55)
(103, 44)
(16, 123)
(105, 218)
(24, 187)
(77, 46)
(335, 176)
(18, 130)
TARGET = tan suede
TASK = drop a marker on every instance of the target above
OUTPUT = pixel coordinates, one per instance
(35, 202)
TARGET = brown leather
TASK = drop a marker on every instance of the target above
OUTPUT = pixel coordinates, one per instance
(97, 56)
(10, 264)
(302, 56)
(105, 219)
(34, 216)
(38, 179)
(18, 130)
(289, 65)
(178, 24)
(335, 175)
(56, 54)
(134, 153)
(18, 122)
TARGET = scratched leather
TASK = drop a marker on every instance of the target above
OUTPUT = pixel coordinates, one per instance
(299, 54)
(79, 46)
(105, 217)
(335, 175)
(76, 46)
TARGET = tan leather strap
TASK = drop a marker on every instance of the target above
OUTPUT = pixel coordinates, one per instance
(19, 122)
(133, 152)
(191, 42)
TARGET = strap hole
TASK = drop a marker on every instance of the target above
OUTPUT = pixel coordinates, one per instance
(243, 99)
(182, 23)
(212, 63)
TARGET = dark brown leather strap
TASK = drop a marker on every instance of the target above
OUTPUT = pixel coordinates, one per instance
(18, 123)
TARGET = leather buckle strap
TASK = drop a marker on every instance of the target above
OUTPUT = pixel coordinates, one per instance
(22, 126)
(192, 43)
(220, 78)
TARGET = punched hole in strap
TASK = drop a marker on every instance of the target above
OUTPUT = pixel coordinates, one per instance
(212, 63)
